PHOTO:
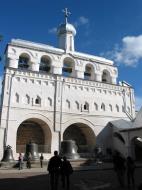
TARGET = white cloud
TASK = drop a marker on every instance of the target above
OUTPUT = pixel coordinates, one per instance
(81, 21)
(138, 101)
(52, 30)
(129, 53)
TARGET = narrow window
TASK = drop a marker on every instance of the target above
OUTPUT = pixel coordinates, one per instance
(86, 106)
(117, 108)
(38, 100)
(77, 105)
(103, 107)
(110, 107)
(50, 101)
(96, 106)
(68, 104)
(17, 98)
(27, 99)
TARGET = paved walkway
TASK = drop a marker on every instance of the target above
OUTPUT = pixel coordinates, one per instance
(102, 177)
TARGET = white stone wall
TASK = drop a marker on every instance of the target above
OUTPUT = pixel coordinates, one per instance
(21, 88)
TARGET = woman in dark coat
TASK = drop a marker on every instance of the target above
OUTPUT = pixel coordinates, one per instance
(66, 171)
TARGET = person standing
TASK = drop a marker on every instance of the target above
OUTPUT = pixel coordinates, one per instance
(119, 167)
(20, 160)
(29, 161)
(41, 160)
(54, 167)
(130, 171)
(66, 171)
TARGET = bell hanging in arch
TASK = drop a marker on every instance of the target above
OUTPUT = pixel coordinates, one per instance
(8, 154)
(32, 150)
(69, 149)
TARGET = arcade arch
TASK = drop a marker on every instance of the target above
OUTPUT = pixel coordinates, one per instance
(83, 135)
(34, 130)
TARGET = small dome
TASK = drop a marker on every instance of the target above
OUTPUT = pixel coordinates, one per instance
(64, 28)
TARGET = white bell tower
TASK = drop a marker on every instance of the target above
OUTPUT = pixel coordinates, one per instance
(66, 33)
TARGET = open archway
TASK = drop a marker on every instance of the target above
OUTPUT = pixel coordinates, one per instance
(33, 130)
(83, 135)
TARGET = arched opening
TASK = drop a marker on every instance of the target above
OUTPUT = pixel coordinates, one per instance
(68, 67)
(45, 64)
(106, 77)
(88, 74)
(24, 60)
(83, 136)
(36, 131)
(136, 148)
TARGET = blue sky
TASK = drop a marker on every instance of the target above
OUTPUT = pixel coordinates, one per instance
(110, 28)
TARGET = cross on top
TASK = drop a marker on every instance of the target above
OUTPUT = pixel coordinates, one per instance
(66, 13)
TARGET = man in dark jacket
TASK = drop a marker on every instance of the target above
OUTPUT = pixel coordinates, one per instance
(54, 166)
(119, 167)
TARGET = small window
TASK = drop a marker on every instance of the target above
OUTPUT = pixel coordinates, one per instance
(103, 107)
(77, 105)
(68, 104)
(38, 100)
(117, 108)
(27, 99)
(50, 101)
(96, 106)
(17, 98)
(86, 106)
(110, 107)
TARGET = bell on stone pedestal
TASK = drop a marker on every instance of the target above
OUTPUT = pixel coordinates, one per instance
(32, 150)
(69, 149)
(8, 155)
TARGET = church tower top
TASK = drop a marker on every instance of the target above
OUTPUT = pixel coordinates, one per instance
(66, 33)
(66, 13)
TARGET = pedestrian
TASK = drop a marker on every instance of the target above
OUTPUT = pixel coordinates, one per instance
(20, 161)
(41, 160)
(29, 161)
(130, 165)
(54, 167)
(119, 167)
(66, 171)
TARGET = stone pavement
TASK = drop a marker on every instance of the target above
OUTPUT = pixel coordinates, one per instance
(96, 178)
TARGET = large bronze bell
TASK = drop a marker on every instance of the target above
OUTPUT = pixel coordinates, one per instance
(69, 149)
(8, 154)
(32, 150)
